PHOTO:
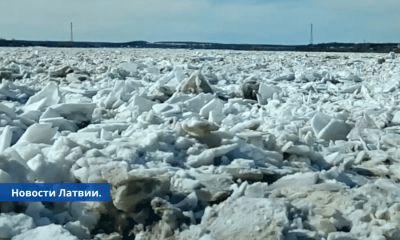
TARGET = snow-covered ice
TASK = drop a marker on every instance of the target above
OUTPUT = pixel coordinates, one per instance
(203, 144)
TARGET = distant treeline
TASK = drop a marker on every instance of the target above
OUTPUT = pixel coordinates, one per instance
(323, 47)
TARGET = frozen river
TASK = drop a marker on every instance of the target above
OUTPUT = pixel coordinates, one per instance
(207, 145)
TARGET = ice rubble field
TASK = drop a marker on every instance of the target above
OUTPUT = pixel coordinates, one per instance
(203, 145)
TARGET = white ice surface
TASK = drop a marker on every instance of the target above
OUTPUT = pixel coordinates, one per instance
(314, 154)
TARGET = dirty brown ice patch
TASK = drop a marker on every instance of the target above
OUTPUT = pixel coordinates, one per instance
(202, 145)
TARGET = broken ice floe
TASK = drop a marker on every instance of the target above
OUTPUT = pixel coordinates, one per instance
(203, 145)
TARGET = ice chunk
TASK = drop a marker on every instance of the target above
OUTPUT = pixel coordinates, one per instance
(179, 74)
(196, 83)
(352, 77)
(198, 128)
(321, 224)
(129, 66)
(142, 103)
(12, 224)
(206, 237)
(388, 185)
(167, 80)
(34, 209)
(52, 116)
(76, 229)
(80, 211)
(33, 115)
(153, 70)
(269, 222)
(390, 139)
(216, 117)
(214, 187)
(77, 112)
(5, 138)
(183, 143)
(12, 163)
(36, 106)
(46, 232)
(189, 203)
(334, 130)
(249, 89)
(167, 110)
(61, 72)
(351, 89)
(186, 184)
(319, 121)
(391, 55)
(7, 110)
(38, 133)
(75, 77)
(341, 236)
(50, 93)
(286, 76)
(207, 156)
(136, 188)
(62, 217)
(196, 103)
(50, 113)
(328, 128)
(255, 190)
(61, 123)
(296, 180)
(214, 105)
(177, 97)
(396, 118)
(5, 177)
(248, 124)
(266, 92)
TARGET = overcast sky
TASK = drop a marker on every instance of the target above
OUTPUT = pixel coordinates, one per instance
(224, 21)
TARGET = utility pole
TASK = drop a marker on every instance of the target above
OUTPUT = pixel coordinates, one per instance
(72, 36)
(311, 36)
